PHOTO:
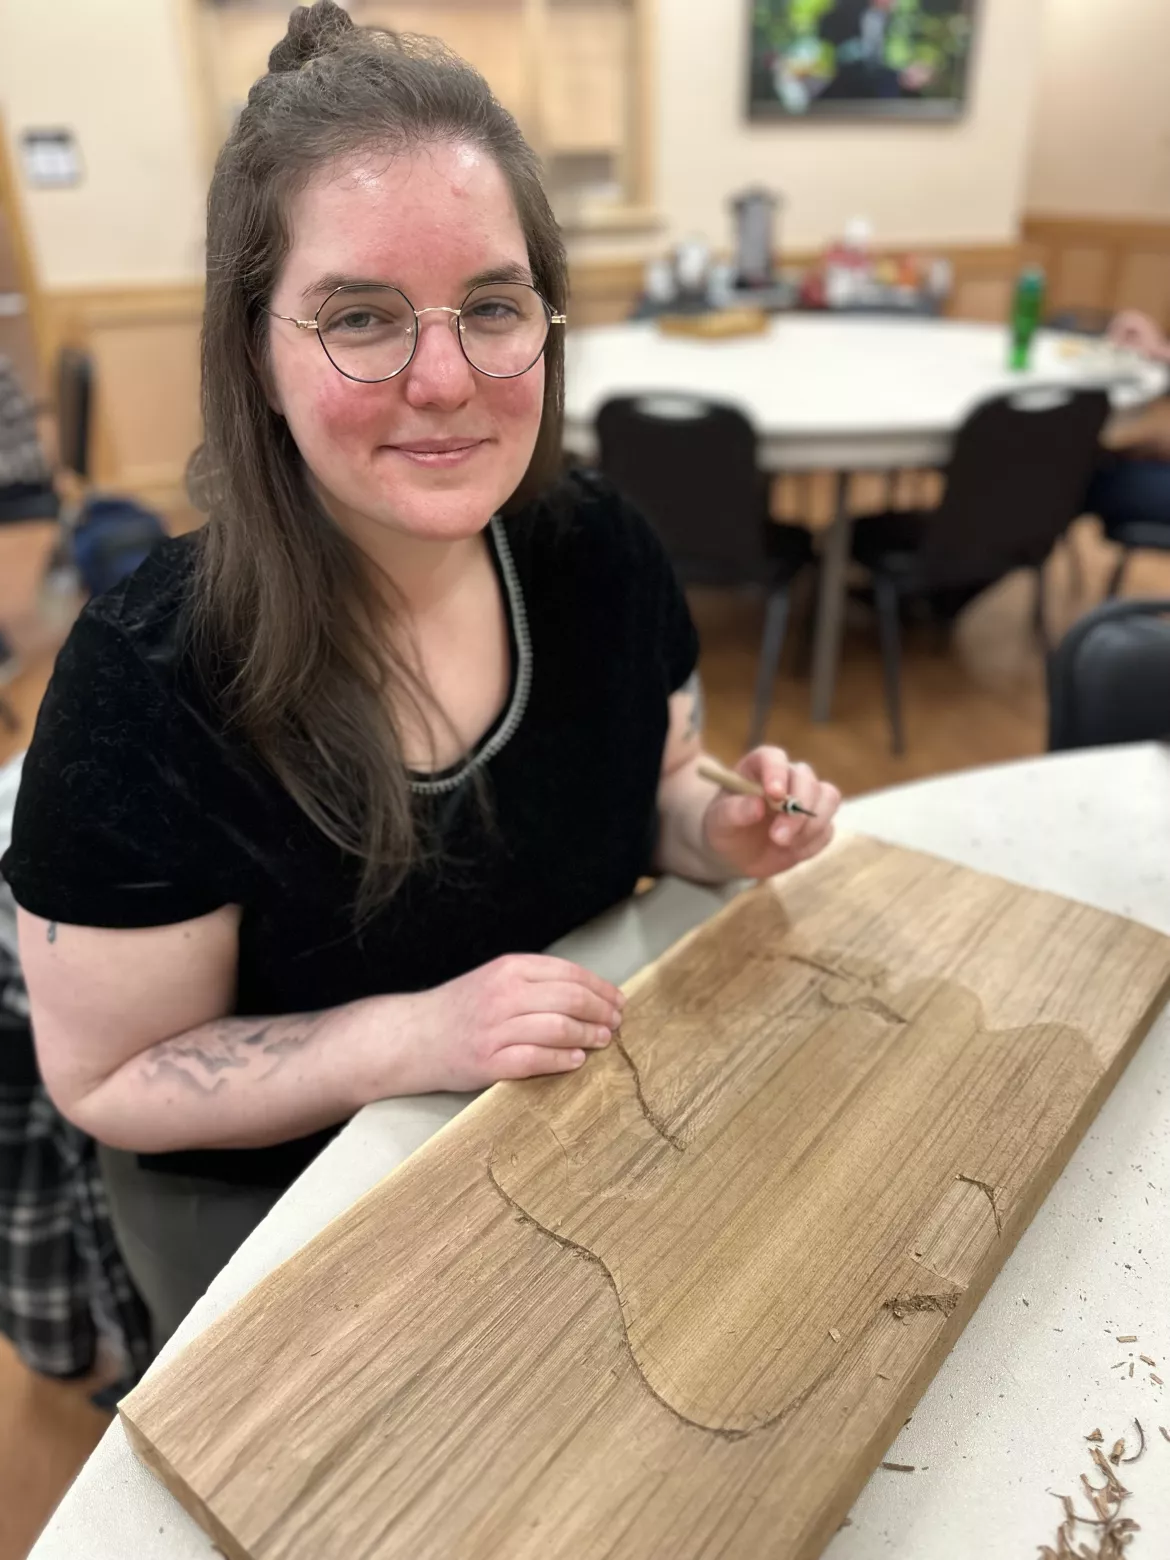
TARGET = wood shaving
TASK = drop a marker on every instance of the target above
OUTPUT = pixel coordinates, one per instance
(1094, 1435)
(900, 1467)
(1165, 1432)
(1131, 1367)
(901, 1305)
(1117, 1453)
(1146, 1360)
(1127, 1337)
(1141, 1443)
(1119, 1364)
(835, 1335)
(1111, 1532)
(1157, 1380)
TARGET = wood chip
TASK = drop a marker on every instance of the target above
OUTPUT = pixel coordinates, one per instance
(1112, 1533)
(1127, 1337)
(1141, 1443)
(1146, 1360)
(835, 1335)
(1119, 1364)
(1115, 1485)
(1157, 1380)
(1094, 1435)
(1117, 1453)
(1131, 1367)
(900, 1467)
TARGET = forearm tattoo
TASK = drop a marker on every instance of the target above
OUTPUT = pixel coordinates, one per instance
(693, 687)
(205, 1059)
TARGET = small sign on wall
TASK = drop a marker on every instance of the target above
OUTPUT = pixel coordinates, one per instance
(50, 159)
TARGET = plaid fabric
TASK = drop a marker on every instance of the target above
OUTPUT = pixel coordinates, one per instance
(62, 1280)
(63, 1283)
(21, 458)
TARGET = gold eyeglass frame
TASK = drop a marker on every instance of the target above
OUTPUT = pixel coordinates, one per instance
(434, 308)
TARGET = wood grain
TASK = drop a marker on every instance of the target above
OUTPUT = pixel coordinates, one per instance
(680, 1304)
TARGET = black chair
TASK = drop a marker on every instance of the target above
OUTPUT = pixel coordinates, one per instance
(1109, 679)
(1016, 481)
(74, 405)
(690, 467)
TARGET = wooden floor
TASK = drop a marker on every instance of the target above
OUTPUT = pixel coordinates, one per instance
(47, 1430)
(979, 700)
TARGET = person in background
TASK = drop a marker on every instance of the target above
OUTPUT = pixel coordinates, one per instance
(309, 793)
(1133, 485)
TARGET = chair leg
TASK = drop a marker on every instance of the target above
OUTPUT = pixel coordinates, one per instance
(1076, 571)
(886, 600)
(771, 644)
(1118, 575)
(1039, 617)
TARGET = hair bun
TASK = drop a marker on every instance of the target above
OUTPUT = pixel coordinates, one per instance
(312, 30)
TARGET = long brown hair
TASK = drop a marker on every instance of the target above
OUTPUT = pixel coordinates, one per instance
(287, 622)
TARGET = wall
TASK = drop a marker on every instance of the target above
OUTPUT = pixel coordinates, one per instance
(1102, 132)
(121, 256)
(114, 72)
(920, 184)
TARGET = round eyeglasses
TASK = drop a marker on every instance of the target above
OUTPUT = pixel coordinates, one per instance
(370, 332)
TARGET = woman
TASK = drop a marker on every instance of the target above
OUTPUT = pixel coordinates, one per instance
(306, 794)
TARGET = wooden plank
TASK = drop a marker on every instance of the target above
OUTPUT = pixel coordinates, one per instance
(678, 1305)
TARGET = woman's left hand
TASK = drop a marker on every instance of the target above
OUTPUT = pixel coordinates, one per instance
(754, 840)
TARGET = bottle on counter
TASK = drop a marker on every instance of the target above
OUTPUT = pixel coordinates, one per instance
(1027, 311)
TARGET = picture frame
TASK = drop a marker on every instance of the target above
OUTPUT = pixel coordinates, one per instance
(811, 60)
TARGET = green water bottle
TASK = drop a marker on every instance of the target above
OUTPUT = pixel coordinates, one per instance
(1026, 313)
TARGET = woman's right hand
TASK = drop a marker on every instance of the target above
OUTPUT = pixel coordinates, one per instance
(517, 1017)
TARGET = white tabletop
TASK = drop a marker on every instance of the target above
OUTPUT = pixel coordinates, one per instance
(838, 393)
(1002, 1422)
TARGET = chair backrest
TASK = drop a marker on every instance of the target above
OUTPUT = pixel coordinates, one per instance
(1109, 678)
(1017, 479)
(690, 466)
(74, 409)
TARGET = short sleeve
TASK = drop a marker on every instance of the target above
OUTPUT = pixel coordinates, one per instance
(108, 830)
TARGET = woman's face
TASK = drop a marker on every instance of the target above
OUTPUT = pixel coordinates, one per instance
(435, 451)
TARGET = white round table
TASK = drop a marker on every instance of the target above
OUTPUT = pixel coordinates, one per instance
(1003, 1420)
(839, 394)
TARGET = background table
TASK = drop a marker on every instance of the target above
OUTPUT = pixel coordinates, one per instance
(839, 394)
(1003, 1421)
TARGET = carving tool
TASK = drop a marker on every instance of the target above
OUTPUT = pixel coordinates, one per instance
(733, 782)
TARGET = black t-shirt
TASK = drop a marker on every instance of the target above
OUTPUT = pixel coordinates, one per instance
(138, 809)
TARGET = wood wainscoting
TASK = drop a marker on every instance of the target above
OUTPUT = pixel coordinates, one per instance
(145, 339)
(144, 342)
(1103, 263)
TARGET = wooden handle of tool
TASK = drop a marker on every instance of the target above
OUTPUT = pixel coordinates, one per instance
(730, 781)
